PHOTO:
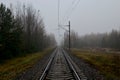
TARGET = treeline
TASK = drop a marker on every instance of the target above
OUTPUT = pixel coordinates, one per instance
(22, 31)
(103, 40)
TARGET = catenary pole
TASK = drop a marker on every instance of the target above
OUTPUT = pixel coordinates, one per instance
(69, 37)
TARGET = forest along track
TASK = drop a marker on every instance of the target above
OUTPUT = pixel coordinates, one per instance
(61, 67)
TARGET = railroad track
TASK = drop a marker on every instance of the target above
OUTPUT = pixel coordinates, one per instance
(61, 67)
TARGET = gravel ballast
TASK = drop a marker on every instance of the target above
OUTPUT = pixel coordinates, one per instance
(34, 72)
(89, 71)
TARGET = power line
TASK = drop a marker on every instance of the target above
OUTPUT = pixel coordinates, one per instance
(68, 10)
(58, 12)
(72, 4)
(75, 6)
(71, 9)
(58, 17)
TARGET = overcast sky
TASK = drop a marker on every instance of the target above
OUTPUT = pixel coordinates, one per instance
(86, 16)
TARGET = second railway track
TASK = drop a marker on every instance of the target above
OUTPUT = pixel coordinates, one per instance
(61, 67)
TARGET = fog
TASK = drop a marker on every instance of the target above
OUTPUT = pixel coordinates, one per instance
(86, 16)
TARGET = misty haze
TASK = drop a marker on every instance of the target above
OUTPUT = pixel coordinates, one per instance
(59, 40)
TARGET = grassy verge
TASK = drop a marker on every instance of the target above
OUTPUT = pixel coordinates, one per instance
(11, 68)
(107, 63)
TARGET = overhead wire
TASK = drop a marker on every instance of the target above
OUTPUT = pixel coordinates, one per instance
(68, 12)
(58, 18)
(58, 11)
(71, 9)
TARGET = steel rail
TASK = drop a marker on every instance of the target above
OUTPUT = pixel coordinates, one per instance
(48, 66)
(69, 61)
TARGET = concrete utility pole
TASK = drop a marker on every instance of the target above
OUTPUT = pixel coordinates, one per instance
(69, 37)
(69, 41)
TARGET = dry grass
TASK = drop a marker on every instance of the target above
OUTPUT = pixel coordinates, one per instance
(11, 68)
(107, 63)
